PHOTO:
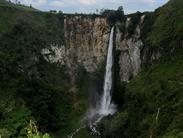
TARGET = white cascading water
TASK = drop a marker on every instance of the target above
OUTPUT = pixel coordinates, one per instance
(106, 106)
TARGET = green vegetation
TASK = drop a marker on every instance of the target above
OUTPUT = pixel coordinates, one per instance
(48, 26)
(166, 32)
(113, 15)
(135, 19)
(32, 131)
(152, 104)
(4, 3)
(83, 133)
(30, 87)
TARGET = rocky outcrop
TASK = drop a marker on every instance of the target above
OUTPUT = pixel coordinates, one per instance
(54, 54)
(86, 41)
(130, 51)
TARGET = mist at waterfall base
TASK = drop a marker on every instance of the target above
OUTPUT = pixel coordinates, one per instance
(104, 106)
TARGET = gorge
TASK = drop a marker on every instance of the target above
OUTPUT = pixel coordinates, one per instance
(52, 68)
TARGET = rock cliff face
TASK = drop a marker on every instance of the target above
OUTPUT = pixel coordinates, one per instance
(86, 41)
(129, 47)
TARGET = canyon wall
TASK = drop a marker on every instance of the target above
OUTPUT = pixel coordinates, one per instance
(86, 41)
(129, 46)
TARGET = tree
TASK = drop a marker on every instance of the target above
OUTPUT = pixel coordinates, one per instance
(97, 11)
(60, 12)
(32, 131)
(120, 9)
(113, 15)
(53, 11)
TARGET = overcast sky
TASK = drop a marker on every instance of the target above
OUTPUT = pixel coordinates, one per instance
(88, 6)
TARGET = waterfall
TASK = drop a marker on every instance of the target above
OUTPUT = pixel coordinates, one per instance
(106, 105)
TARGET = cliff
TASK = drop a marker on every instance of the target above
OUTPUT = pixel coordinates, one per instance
(86, 41)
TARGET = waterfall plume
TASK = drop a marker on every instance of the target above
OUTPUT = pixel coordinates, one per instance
(106, 105)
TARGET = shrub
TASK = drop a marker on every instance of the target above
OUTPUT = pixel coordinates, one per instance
(113, 15)
(32, 131)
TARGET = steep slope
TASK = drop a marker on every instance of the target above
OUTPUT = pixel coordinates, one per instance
(152, 101)
(6, 3)
(50, 63)
(165, 36)
(31, 88)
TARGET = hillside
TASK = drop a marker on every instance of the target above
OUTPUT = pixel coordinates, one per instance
(153, 99)
(165, 35)
(5, 3)
(30, 87)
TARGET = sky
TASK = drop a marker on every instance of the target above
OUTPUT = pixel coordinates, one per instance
(90, 6)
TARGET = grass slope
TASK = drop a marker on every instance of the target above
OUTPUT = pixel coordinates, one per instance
(4, 3)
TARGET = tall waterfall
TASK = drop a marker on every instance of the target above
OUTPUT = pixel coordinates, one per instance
(106, 105)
